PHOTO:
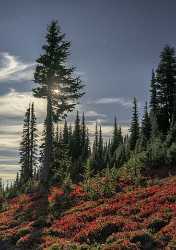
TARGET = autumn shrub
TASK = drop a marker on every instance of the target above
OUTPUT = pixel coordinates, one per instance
(60, 199)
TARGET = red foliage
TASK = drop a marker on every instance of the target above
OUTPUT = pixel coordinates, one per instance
(119, 222)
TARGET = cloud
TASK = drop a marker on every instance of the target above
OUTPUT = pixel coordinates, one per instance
(12, 68)
(14, 104)
(110, 100)
(92, 113)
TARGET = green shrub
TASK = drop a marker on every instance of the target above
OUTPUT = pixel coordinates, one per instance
(156, 225)
(23, 231)
(101, 186)
(145, 240)
(55, 247)
(40, 222)
(171, 154)
(156, 154)
(171, 199)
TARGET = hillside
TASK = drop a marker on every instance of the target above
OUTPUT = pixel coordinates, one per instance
(133, 218)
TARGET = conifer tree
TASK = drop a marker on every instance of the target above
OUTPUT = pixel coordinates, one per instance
(145, 129)
(95, 147)
(33, 142)
(65, 133)
(28, 146)
(25, 148)
(153, 96)
(166, 88)
(134, 129)
(100, 149)
(76, 149)
(84, 141)
(57, 84)
(115, 138)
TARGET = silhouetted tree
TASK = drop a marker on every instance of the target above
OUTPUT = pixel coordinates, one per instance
(166, 88)
(58, 85)
(134, 129)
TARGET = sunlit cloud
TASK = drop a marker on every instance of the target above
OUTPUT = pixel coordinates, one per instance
(93, 113)
(14, 104)
(110, 100)
(12, 68)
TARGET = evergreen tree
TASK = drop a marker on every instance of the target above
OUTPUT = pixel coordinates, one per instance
(25, 148)
(145, 129)
(134, 129)
(76, 149)
(115, 138)
(33, 142)
(171, 136)
(166, 88)
(153, 97)
(84, 141)
(65, 133)
(95, 156)
(58, 85)
(100, 149)
(28, 146)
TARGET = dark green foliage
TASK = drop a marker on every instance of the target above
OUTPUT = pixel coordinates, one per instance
(57, 84)
(98, 157)
(156, 225)
(28, 148)
(166, 88)
(146, 129)
(171, 136)
(33, 142)
(117, 138)
(121, 155)
(94, 156)
(26, 172)
(134, 129)
(171, 155)
(156, 153)
(153, 92)
(76, 149)
(84, 141)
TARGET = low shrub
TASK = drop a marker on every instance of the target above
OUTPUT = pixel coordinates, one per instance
(156, 225)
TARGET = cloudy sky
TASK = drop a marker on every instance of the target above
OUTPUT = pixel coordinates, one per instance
(115, 45)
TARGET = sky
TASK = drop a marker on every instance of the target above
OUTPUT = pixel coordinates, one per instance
(114, 46)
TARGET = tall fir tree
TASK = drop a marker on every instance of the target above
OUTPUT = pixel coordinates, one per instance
(33, 142)
(95, 156)
(100, 149)
(146, 129)
(166, 88)
(65, 133)
(25, 150)
(28, 146)
(115, 138)
(84, 141)
(153, 94)
(76, 149)
(58, 85)
(134, 129)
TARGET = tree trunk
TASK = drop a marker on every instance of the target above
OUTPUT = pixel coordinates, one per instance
(48, 152)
